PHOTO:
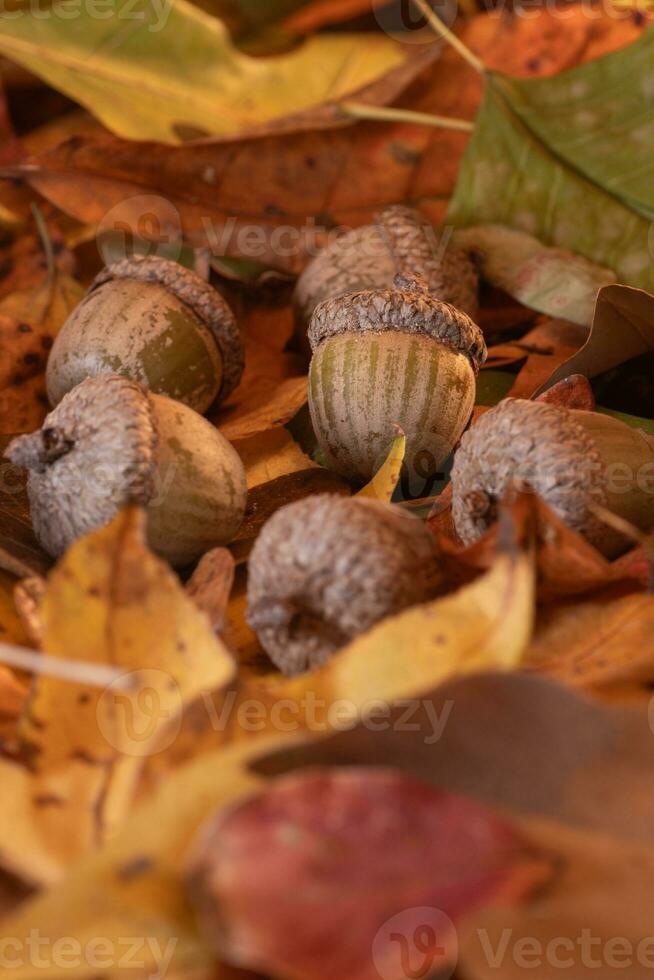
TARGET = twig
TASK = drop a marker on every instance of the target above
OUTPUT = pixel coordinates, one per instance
(95, 675)
(449, 36)
(358, 110)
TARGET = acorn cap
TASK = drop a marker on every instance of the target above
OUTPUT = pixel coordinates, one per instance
(450, 272)
(535, 444)
(94, 454)
(200, 296)
(327, 568)
(409, 308)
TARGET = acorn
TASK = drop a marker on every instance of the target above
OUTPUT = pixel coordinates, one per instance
(400, 241)
(110, 443)
(391, 357)
(575, 460)
(326, 568)
(156, 322)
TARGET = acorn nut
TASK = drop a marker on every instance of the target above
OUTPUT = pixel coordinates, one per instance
(327, 568)
(400, 241)
(385, 357)
(156, 322)
(575, 460)
(110, 443)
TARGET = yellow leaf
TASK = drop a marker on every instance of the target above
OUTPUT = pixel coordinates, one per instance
(383, 484)
(108, 602)
(169, 71)
(271, 454)
(111, 601)
(486, 625)
(131, 892)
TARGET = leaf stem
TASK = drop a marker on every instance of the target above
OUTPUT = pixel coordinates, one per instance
(96, 675)
(449, 36)
(359, 110)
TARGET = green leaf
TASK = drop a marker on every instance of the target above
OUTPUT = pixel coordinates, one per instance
(165, 70)
(568, 160)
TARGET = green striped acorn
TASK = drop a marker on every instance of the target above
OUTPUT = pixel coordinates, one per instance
(575, 460)
(398, 242)
(110, 443)
(156, 322)
(391, 357)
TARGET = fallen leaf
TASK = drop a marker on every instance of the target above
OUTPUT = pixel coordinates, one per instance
(592, 918)
(132, 888)
(623, 327)
(605, 640)
(513, 740)
(566, 563)
(104, 603)
(269, 455)
(549, 280)
(359, 854)
(216, 90)
(277, 180)
(548, 157)
(384, 482)
(542, 350)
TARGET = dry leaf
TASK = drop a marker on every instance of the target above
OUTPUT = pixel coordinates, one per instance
(281, 180)
(109, 601)
(608, 639)
(549, 280)
(217, 90)
(623, 327)
(384, 482)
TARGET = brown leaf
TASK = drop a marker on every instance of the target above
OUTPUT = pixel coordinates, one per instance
(334, 176)
(623, 327)
(606, 640)
(516, 741)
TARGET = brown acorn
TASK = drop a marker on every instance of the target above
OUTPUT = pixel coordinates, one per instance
(156, 322)
(573, 459)
(110, 443)
(400, 241)
(327, 568)
(391, 357)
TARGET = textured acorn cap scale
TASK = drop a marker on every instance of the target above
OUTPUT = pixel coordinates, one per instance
(575, 460)
(110, 443)
(155, 322)
(399, 242)
(327, 568)
(391, 357)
